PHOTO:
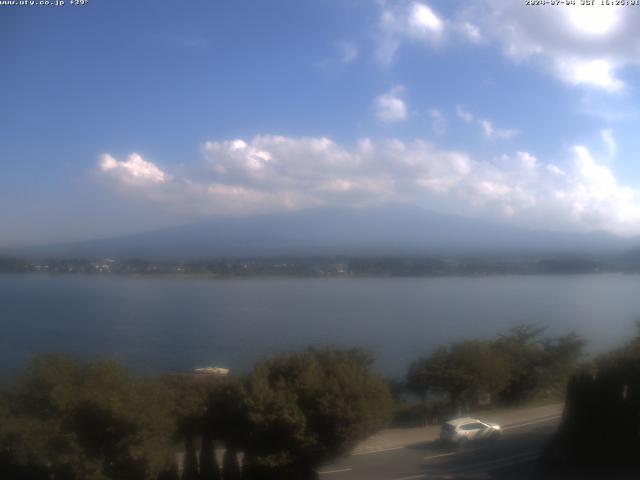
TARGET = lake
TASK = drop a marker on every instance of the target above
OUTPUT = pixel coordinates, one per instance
(160, 324)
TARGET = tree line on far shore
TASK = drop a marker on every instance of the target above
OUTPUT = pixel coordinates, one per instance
(62, 419)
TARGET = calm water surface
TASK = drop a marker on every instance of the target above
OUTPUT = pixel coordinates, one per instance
(167, 324)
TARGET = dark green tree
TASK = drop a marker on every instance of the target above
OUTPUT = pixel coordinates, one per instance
(522, 347)
(91, 422)
(209, 469)
(538, 366)
(304, 409)
(190, 460)
(562, 357)
(599, 436)
(226, 415)
(190, 400)
(226, 420)
(463, 371)
(426, 374)
(230, 465)
(170, 473)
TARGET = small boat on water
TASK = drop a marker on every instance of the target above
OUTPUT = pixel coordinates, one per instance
(219, 371)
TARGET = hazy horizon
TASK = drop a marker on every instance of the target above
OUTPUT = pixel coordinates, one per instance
(331, 232)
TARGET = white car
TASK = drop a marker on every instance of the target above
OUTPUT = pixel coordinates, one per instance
(463, 430)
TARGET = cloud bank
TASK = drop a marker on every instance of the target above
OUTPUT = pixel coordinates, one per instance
(407, 21)
(274, 173)
(579, 44)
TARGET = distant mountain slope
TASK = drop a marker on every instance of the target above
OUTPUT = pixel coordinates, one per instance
(631, 256)
(391, 230)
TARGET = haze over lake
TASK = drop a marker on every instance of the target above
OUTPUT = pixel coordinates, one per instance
(178, 323)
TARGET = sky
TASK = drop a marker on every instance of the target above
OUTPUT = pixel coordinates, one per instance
(118, 117)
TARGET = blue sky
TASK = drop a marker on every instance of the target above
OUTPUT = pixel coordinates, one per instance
(122, 116)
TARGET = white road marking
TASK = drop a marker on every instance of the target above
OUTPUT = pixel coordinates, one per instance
(367, 452)
(439, 456)
(496, 462)
(329, 472)
(411, 477)
(533, 422)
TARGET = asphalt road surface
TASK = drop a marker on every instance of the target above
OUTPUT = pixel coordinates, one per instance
(520, 445)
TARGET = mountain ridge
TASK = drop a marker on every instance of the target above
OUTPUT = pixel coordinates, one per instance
(380, 231)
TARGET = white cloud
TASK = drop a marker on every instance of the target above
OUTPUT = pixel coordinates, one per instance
(487, 128)
(438, 122)
(134, 170)
(586, 45)
(609, 141)
(492, 133)
(597, 73)
(580, 44)
(594, 19)
(489, 131)
(401, 21)
(275, 173)
(390, 106)
(465, 116)
(423, 22)
(471, 32)
(597, 198)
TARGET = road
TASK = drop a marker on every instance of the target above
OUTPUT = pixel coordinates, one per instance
(521, 444)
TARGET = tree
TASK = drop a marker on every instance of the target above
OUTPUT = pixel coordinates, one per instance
(472, 368)
(226, 420)
(190, 461)
(189, 401)
(189, 406)
(600, 429)
(226, 414)
(463, 371)
(171, 473)
(561, 358)
(230, 465)
(427, 374)
(537, 365)
(523, 349)
(209, 469)
(93, 422)
(304, 409)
